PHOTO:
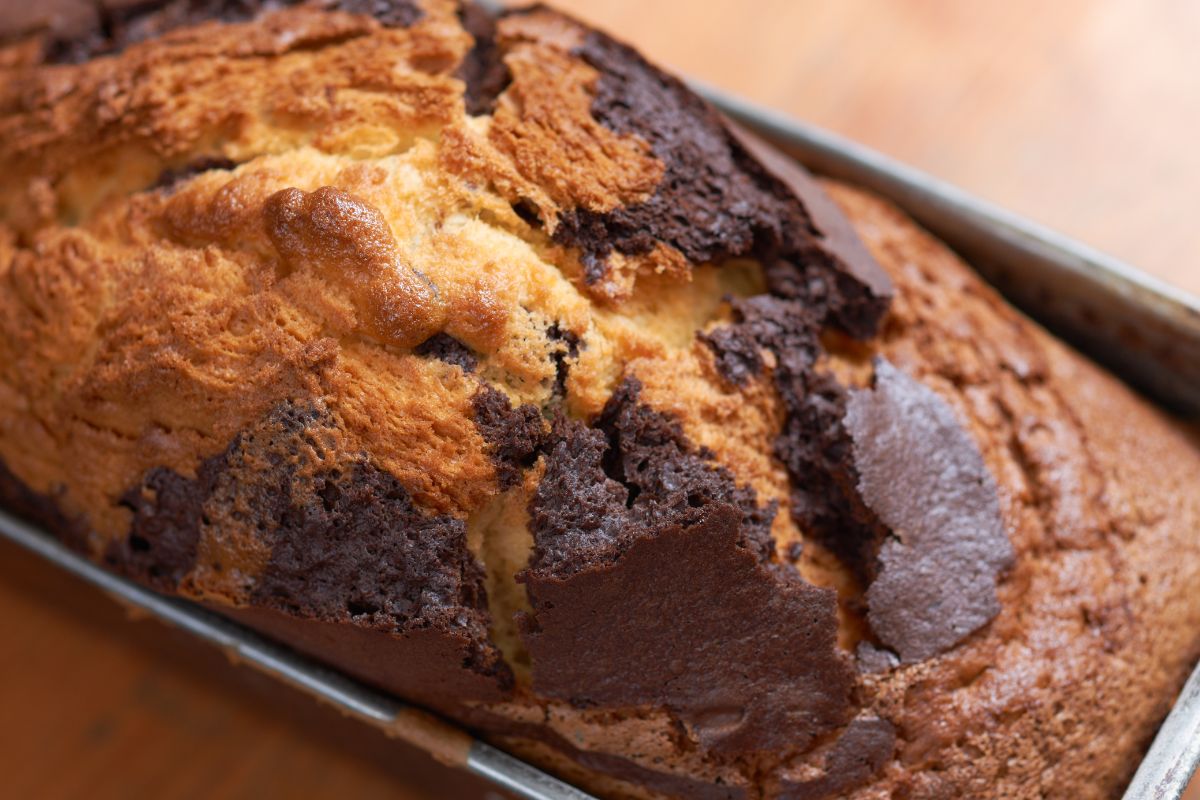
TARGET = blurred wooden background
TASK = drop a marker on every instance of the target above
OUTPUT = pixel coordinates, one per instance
(1082, 114)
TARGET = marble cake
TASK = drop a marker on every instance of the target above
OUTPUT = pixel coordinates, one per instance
(478, 357)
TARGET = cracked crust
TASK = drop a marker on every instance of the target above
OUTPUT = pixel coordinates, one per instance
(418, 340)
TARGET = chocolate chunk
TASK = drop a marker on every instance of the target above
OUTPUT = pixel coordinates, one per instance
(787, 328)
(160, 548)
(651, 584)
(576, 510)
(686, 617)
(352, 547)
(445, 347)
(40, 510)
(636, 468)
(174, 175)
(666, 475)
(515, 435)
(482, 69)
(737, 354)
(347, 544)
(863, 300)
(924, 476)
(863, 749)
(816, 450)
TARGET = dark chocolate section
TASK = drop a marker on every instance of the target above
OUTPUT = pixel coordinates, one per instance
(107, 27)
(517, 436)
(924, 476)
(863, 289)
(604, 486)
(853, 759)
(514, 435)
(666, 475)
(428, 666)
(787, 328)
(708, 205)
(716, 201)
(577, 510)
(347, 544)
(351, 546)
(651, 584)
(816, 450)
(736, 353)
(482, 69)
(164, 532)
(40, 510)
(813, 443)
(445, 347)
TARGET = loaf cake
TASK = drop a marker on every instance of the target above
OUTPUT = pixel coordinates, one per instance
(475, 356)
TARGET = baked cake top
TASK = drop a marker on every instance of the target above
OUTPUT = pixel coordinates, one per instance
(485, 332)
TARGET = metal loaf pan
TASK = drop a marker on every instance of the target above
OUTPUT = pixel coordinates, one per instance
(1146, 331)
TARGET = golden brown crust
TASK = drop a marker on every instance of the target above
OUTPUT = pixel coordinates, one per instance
(237, 218)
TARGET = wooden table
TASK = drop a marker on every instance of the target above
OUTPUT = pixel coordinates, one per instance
(1082, 114)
